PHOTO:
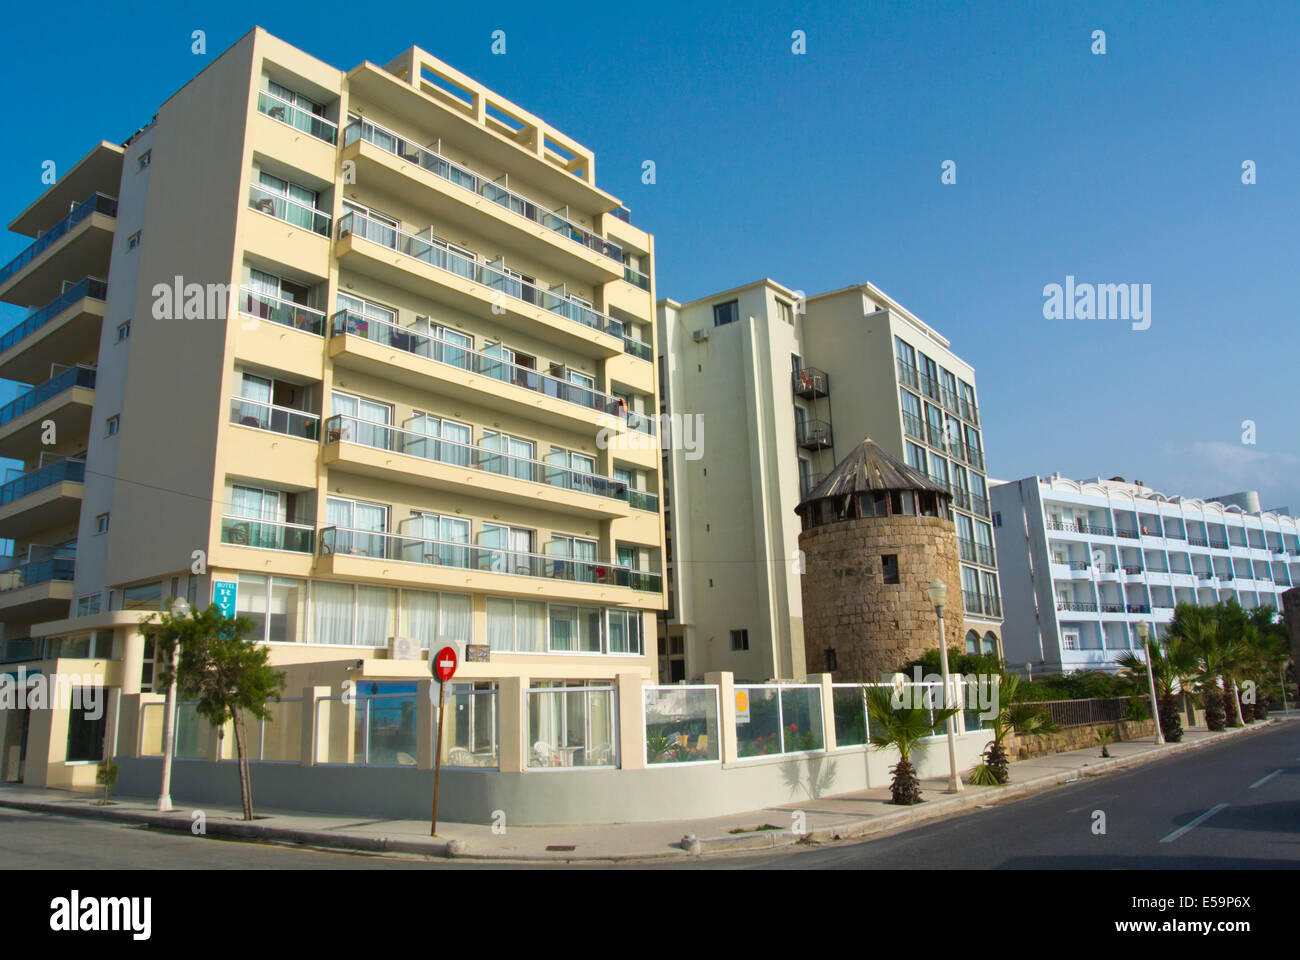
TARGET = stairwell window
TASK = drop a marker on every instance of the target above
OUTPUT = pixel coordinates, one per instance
(724, 313)
(101, 524)
(145, 159)
(889, 567)
(123, 331)
(134, 240)
(112, 425)
(739, 639)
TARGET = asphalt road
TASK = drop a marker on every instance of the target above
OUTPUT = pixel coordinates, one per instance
(1230, 806)
(1234, 805)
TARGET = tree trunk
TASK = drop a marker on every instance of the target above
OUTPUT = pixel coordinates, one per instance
(243, 765)
(1232, 706)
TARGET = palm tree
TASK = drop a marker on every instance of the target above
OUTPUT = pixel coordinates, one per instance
(1271, 647)
(902, 728)
(1013, 715)
(1232, 635)
(1173, 662)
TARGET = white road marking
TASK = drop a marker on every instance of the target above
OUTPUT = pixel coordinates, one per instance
(1265, 779)
(1199, 820)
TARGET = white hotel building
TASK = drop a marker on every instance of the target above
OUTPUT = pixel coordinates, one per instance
(1082, 563)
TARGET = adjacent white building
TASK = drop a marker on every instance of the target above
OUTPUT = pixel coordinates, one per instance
(1083, 562)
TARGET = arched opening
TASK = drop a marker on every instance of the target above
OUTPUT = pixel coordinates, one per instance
(990, 644)
(972, 641)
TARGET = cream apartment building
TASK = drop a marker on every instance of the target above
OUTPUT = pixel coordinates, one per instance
(369, 351)
(783, 387)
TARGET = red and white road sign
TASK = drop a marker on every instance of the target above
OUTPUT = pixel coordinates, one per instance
(444, 664)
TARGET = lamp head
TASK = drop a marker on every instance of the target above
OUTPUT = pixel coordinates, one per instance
(937, 591)
(1144, 630)
(181, 608)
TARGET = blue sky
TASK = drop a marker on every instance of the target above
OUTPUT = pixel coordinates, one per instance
(823, 170)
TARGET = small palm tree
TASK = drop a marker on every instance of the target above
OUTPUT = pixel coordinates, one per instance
(1172, 662)
(902, 728)
(1104, 736)
(1013, 715)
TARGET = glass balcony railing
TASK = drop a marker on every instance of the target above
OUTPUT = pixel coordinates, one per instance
(454, 453)
(96, 203)
(465, 556)
(267, 534)
(90, 287)
(908, 374)
(462, 176)
(309, 123)
(290, 211)
(69, 378)
(454, 355)
(643, 500)
(636, 277)
(438, 254)
(57, 565)
(284, 312)
(638, 349)
(72, 471)
(267, 416)
(640, 422)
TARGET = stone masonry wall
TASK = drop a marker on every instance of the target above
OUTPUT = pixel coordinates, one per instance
(875, 627)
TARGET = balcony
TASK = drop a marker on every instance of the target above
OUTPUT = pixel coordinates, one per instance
(1076, 606)
(1133, 570)
(1196, 541)
(267, 534)
(39, 586)
(339, 541)
(813, 434)
(494, 282)
(1126, 534)
(286, 313)
(979, 505)
(973, 552)
(811, 383)
(643, 500)
(978, 605)
(908, 374)
(914, 427)
(636, 278)
(309, 123)
(638, 349)
(929, 387)
(975, 458)
(67, 326)
(485, 471)
(66, 397)
(267, 416)
(1218, 544)
(79, 245)
(1110, 608)
(445, 360)
(41, 499)
(290, 211)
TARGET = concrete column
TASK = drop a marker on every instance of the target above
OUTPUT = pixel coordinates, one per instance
(725, 681)
(112, 719)
(314, 738)
(828, 709)
(631, 725)
(512, 724)
(426, 719)
(132, 643)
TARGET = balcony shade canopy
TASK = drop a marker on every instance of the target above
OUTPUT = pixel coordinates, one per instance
(870, 482)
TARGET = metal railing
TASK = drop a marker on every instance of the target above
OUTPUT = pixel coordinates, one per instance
(1126, 534)
(438, 254)
(979, 504)
(397, 440)
(1076, 713)
(72, 471)
(908, 374)
(90, 287)
(462, 176)
(266, 534)
(913, 426)
(95, 203)
(454, 355)
(296, 117)
(290, 211)
(1077, 606)
(813, 433)
(467, 556)
(810, 383)
(264, 306)
(72, 377)
(268, 416)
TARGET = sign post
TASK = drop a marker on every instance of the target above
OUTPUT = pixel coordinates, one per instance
(443, 667)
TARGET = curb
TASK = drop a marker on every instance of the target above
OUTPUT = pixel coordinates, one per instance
(691, 846)
(940, 809)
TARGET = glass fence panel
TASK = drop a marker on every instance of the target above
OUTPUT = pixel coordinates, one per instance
(758, 729)
(801, 718)
(849, 705)
(681, 724)
(471, 738)
(281, 732)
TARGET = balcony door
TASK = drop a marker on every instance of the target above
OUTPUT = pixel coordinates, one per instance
(442, 540)
(360, 526)
(436, 438)
(508, 549)
(364, 421)
(507, 455)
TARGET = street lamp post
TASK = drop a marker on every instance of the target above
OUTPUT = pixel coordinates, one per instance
(180, 610)
(1144, 631)
(938, 592)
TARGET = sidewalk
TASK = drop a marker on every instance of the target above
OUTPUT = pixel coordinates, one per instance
(839, 817)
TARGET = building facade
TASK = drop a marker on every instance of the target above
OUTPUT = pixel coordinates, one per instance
(1083, 562)
(779, 388)
(366, 354)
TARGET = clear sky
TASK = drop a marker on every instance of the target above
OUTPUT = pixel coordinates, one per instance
(824, 169)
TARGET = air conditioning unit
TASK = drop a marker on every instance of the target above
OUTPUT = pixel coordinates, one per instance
(403, 648)
(700, 335)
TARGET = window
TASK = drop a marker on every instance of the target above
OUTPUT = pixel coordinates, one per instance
(88, 606)
(575, 629)
(276, 605)
(123, 331)
(785, 311)
(889, 567)
(112, 425)
(739, 639)
(997, 518)
(832, 661)
(516, 625)
(346, 614)
(145, 159)
(625, 632)
(87, 721)
(904, 352)
(134, 240)
(101, 524)
(724, 313)
(805, 475)
(144, 596)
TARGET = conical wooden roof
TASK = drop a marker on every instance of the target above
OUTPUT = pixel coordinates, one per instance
(868, 468)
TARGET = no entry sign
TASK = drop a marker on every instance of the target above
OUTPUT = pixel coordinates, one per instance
(444, 664)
